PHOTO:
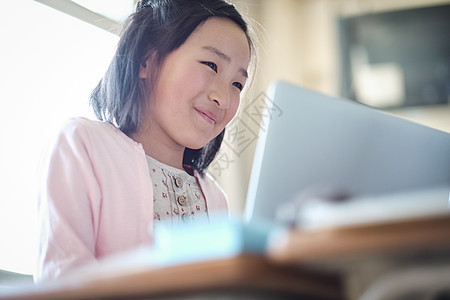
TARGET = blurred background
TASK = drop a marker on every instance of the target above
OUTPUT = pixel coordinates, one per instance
(393, 55)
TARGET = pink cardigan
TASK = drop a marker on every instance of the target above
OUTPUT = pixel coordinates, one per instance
(96, 197)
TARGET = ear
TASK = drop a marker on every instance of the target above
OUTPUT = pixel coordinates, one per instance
(146, 65)
(144, 69)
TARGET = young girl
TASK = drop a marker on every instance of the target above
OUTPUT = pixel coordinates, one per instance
(172, 86)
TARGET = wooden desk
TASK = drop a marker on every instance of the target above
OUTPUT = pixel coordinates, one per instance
(298, 263)
(388, 238)
(366, 257)
(242, 276)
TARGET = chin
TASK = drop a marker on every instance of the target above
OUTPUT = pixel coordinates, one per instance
(198, 144)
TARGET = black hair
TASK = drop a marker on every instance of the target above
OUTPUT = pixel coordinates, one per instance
(157, 27)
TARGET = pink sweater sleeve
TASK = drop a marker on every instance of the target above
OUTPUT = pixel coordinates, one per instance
(68, 203)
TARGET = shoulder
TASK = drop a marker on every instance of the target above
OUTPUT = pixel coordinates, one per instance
(96, 142)
(210, 181)
(93, 132)
(81, 126)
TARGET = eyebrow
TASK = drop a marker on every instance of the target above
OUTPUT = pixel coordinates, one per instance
(225, 57)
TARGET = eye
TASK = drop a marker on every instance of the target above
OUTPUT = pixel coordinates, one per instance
(238, 85)
(211, 65)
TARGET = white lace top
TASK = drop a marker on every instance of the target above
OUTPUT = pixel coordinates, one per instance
(177, 196)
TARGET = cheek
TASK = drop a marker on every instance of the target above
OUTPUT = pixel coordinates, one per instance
(193, 79)
(232, 110)
(184, 82)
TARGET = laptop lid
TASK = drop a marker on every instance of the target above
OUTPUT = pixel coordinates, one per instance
(321, 141)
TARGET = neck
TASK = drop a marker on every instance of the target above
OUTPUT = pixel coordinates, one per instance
(163, 151)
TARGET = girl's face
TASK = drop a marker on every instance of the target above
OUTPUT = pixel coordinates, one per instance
(198, 89)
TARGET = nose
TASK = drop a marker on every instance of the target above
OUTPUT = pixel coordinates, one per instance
(219, 94)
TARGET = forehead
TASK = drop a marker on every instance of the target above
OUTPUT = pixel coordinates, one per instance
(223, 34)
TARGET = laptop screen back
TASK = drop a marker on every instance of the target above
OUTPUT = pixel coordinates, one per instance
(320, 141)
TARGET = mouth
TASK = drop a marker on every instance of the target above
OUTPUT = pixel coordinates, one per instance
(208, 116)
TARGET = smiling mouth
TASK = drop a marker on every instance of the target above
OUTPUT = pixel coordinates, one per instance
(208, 117)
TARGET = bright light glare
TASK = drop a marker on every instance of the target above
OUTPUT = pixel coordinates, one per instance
(50, 62)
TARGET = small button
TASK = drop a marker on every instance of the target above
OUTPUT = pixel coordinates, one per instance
(181, 200)
(179, 182)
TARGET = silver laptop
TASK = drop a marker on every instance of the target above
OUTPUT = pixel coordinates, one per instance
(323, 143)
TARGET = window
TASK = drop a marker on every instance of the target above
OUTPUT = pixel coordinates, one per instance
(398, 58)
(50, 62)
